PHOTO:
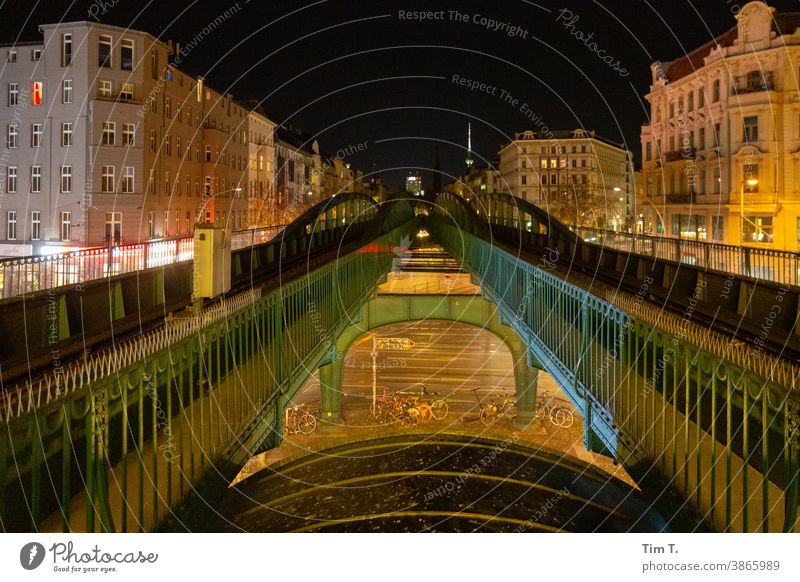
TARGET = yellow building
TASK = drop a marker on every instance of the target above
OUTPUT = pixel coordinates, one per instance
(721, 154)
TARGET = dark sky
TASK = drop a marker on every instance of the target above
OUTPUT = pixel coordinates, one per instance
(354, 72)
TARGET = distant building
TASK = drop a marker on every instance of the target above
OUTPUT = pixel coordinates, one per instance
(298, 180)
(577, 176)
(261, 197)
(414, 184)
(108, 142)
(724, 115)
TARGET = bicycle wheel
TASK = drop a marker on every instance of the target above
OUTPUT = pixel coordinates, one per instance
(565, 417)
(511, 411)
(439, 409)
(488, 416)
(541, 412)
(425, 413)
(307, 424)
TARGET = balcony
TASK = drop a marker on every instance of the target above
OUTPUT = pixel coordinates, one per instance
(754, 82)
(679, 155)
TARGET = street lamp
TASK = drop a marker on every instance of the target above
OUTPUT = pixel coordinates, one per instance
(749, 182)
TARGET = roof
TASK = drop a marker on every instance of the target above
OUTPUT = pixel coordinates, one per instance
(295, 138)
(783, 23)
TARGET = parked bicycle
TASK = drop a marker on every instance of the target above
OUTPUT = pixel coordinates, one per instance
(438, 406)
(560, 416)
(297, 419)
(499, 407)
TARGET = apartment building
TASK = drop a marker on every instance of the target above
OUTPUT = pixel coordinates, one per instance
(720, 154)
(106, 142)
(298, 176)
(262, 202)
(576, 175)
(339, 176)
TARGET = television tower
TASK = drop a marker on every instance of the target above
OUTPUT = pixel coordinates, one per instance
(470, 161)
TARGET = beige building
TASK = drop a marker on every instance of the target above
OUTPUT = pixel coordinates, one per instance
(340, 176)
(261, 196)
(577, 176)
(721, 155)
(107, 141)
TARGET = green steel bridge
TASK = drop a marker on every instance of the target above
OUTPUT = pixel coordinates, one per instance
(681, 371)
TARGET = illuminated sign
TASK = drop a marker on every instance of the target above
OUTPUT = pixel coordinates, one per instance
(38, 90)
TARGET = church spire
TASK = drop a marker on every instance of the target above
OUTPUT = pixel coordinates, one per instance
(470, 161)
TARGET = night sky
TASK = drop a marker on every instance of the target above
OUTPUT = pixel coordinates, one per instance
(352, 72)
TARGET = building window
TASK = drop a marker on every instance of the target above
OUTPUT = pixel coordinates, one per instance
(113, 227)
(109, 133)
(718, 228)
(13, 94)
(152, 140)
(702, 143)
(716, 135)
(690, 101)
(66, 134)
(66, 49)
(104, 51)
(208, 153)
(36, 55)
(689, 226)
(167, 185)
(166, 223)
(36, 179)
(188, 190)
(524, 180)
(128, 134)
(36, 135)
(750, 129)
(36, 224)
(37, 93)
(13, 136)
(168, 107)
(750, 172)
(66, 225)
(168, 145)
(758, 228)
(126, 55)
(188, 222)
(178, 150)
(126, 92)
(127, 179)
(12, 56)
(151, 225)
(107, 179)
(648, 152)
(66, 179)
(11, 180)
(11, 225)
(66, 91)
(715, 91)
(104, 89)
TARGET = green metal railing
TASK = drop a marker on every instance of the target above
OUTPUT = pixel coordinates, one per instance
(726, 436)
(119, 452)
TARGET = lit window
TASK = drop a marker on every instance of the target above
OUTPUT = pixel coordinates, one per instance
(37, 95)
(126, 92)
(36, 55)
(104, 89)
(113, 227)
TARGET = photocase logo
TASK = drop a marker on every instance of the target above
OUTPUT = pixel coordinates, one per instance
(31, 555)
(401, 253)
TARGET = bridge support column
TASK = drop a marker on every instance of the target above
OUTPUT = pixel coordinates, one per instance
(527, 381)
(330, 384)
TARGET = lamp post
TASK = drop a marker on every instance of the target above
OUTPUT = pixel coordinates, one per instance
(750, 182)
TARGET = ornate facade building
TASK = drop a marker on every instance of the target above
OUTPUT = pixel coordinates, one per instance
(721, 154)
